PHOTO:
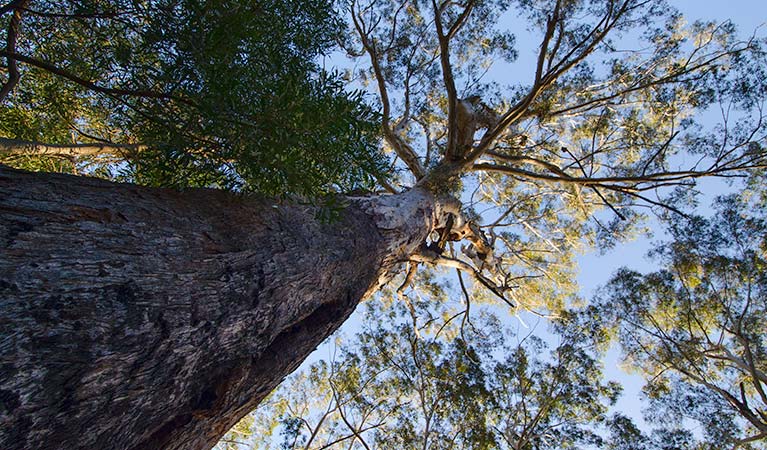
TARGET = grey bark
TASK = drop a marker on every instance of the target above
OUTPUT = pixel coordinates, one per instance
(139, 318)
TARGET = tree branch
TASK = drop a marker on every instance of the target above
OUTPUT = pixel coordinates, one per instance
(400, 147)
(90, 85)
(453, 151)
(10, 6)
(577, 54)
(655, 179)
(594, 188)
(551, 26)
(13, 147)
(10, 46)
(430, 257)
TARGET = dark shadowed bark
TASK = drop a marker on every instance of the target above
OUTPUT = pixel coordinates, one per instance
(138, 318)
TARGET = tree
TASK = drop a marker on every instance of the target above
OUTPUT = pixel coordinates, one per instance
(156, 319)
(153, 350)
(214, 297)
(187, 93)
(696, 327)
(437, 383)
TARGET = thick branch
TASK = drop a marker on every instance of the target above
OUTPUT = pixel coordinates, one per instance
(453, 150)
(551, 26)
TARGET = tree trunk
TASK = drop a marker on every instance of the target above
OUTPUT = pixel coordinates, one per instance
(140, 318)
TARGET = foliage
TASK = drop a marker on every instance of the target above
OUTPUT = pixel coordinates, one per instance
(237, 435)
(696, 329)
(401, 384)
(213, 92)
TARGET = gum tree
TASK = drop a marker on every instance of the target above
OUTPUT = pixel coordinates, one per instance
(137, 317)
(695, 327)
(471, 382)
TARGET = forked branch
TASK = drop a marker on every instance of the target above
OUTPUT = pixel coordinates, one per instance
(455, 150)
(554, 71)
(429, 256)
(402, 149)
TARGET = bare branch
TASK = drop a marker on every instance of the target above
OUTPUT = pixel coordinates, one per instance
(429, 257)
(594, 188)
(14, 147)
(19, 147)
(411, 271)
(553, 168)
(672, 78)
(753, 438)
(400, 147)
(467, 297)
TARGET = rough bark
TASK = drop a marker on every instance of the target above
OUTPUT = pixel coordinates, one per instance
(139, 318)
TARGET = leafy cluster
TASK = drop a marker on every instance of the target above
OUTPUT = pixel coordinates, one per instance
(696, 327)
(193, 92)
(399, 384)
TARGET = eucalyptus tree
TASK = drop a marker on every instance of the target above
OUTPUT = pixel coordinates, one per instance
(695, 328)
(212, 297)
(127, 313)
(405, 383)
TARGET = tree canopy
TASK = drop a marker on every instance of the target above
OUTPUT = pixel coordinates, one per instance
(696, 327)
(473, 385)
(185, 93)
(611, 117)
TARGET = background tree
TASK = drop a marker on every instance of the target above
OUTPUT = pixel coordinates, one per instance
(522, 175)
(696, 327)
(440, 383)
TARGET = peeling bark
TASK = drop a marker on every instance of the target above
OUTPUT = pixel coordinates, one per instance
(139, 318)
